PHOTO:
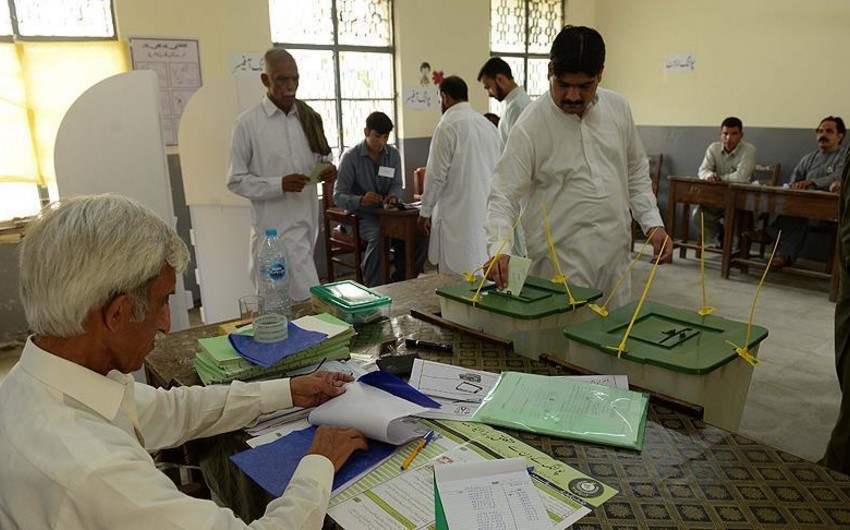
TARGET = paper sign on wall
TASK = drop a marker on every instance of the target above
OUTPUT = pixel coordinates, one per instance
(177, 63)
(680, 63)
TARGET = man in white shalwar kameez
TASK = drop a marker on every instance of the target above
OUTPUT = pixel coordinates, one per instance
(578, 150)
(464, 150)
(276, 143)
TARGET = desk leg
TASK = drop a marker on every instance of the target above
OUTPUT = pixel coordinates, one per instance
(671, 217)
(385, 260)
(409, 247)
(728, 233)
(686, 227)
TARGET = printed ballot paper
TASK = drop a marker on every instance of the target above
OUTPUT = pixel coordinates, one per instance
(494, 494)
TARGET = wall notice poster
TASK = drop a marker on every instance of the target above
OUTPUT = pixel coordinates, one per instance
(178, 65)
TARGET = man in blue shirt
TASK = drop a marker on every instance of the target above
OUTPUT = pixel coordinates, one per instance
(370, 177)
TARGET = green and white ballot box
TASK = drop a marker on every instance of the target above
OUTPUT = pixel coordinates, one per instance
(675, 352)
(533, 319)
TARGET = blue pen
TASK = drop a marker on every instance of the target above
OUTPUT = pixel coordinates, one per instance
(530, 469)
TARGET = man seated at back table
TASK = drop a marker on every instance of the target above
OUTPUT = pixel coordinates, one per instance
(369, 178)
(729, 160)
(96, 273)
(818, 170)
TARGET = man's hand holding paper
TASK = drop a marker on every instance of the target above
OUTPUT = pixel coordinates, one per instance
(312, 390)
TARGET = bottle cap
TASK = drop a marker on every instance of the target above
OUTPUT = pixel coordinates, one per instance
(271, 232)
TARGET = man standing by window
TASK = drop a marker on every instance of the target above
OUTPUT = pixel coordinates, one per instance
(498, 81)
(276, 144)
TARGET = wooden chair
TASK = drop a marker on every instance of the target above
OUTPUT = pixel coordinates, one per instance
(343, 248)
(418, 183)
(655, 177)
(767, 174)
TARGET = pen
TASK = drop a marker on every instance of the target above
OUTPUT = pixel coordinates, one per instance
(428, 345)
(422, 443)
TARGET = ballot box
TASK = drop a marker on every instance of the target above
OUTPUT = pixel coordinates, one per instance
(672, 351)
(533, 319)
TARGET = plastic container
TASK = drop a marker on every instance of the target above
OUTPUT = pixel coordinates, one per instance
(674, 352)
(349, 301)
(273, 275)
(533, 321)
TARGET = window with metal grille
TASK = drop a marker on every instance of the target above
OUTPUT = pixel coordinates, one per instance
(345, 55)
(521, 33)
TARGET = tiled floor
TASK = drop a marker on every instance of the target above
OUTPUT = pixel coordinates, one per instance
(794, 396)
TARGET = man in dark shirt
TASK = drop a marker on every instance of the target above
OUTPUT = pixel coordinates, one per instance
(370, 177)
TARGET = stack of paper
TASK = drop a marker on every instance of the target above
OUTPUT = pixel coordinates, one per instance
(566, 408)
(458, 390)
(489, 494)
(377, 404)
(219, 362)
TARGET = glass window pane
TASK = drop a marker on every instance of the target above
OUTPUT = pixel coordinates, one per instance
(354, 115)
(301, 22)
(545, 20)
(316, 73)
(538, 82)
(366, 75)
(364, 22)
(327, 110)
(5, 19)
(18, 199)
(517, 65)
(507, 26)
(68, 18)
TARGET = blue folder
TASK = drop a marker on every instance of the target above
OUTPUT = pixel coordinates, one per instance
(269, 354)
(272, 465)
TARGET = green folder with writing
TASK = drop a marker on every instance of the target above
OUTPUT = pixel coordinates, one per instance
(559, 406)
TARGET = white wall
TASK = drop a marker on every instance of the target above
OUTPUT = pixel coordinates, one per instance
(773, 63)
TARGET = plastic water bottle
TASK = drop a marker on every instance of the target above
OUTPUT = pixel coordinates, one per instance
(273, 275)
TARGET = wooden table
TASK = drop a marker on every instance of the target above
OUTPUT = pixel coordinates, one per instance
(817, 205)
(398, 224)
(690, 191)
(689, 475)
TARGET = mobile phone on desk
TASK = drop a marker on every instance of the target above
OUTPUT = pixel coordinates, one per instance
(400, 365)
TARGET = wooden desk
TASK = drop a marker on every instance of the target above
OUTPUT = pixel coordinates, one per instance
(171, 361)
(691, 191)
(817, 205)
(397, 224)
(689, 474)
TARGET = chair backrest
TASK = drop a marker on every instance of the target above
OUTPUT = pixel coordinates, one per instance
(655, 170)
(767, 174)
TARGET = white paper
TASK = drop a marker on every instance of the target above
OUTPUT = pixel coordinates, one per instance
(680, 63)
(450, 410)
(279, 432)
(452, 382)
(517, 273)
(377, 414)
(386, 172)
(497, 494)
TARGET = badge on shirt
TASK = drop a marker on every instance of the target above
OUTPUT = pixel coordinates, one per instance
(386, 172)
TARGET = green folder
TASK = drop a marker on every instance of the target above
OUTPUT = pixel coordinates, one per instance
(440, 522)
(558, 406)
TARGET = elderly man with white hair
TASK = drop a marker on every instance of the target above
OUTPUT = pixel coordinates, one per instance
(96, 273)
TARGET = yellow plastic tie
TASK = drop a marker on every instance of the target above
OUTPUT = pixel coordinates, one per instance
(622, 347)
(559, 277)
(744, 351)
(476, 296)
(705, 309)
(603, 311)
